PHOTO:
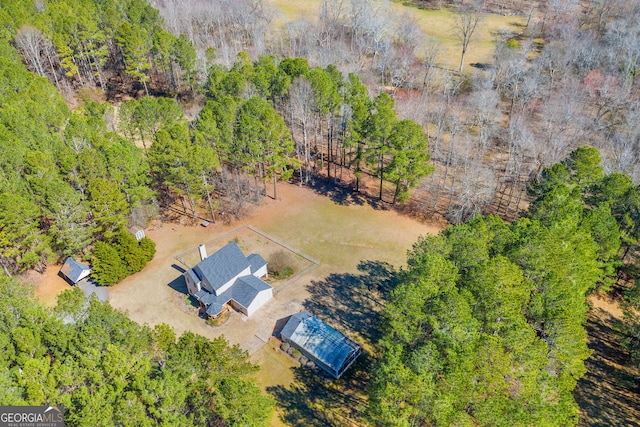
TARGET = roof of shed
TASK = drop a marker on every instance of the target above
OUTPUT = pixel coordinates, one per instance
(320, 340)
(73, 269)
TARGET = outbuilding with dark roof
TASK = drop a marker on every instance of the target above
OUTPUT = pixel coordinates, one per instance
(74, 271)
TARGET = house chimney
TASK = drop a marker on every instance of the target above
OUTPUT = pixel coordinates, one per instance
(203, 252)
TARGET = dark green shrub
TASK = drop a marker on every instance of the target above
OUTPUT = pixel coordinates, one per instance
(112, 262)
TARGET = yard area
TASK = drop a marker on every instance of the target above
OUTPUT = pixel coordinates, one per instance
(358, 243)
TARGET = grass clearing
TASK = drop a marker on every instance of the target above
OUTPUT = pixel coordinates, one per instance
(276, 369)
(357, 242)
(437, 25)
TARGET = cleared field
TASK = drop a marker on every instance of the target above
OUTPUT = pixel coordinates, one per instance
(351, 238)
(437, 25)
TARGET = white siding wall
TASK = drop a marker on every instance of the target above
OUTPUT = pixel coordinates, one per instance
(245, 272)
(260, 300)
(261, 273)
(84, 274)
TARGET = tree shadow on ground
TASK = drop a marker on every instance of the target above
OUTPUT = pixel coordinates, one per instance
(607, 394)
(314, 400)
(354, 301)
(342, 193)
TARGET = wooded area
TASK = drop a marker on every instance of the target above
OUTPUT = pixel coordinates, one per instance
(113, 110)
(108, 370)
(487, 326)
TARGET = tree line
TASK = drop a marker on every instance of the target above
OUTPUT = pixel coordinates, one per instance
(108, 370)
(488, 324)
(66, 182)
(491, 130)
(103, 44)
(74, 178)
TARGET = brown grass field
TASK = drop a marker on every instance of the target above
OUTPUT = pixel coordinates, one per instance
(438, 27)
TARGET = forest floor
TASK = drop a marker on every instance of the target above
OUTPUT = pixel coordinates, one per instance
(608, 394)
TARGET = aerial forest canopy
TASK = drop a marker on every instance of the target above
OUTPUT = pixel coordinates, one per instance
(112, 109)
(488, 325)
(108, 370)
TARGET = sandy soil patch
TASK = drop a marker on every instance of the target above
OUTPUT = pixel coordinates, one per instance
(48, 285)
(607, 304)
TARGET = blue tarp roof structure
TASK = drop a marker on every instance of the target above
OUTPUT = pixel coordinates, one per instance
(328, 348)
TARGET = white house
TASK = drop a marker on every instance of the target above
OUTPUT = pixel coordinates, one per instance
(228, 278)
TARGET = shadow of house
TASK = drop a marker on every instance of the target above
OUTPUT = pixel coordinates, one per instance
(279, 325)
(354, 300)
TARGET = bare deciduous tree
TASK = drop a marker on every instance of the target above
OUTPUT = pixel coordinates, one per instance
(31, 43)
(466, 25)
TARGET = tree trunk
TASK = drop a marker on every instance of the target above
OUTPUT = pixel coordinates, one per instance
(380, 161)
(395, 193)
(213, 216)
(6, 270)
(275, 194)
(461, 61)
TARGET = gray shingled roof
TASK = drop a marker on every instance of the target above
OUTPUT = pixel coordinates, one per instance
(256, 262)
(243, 292)
(247, 288)
(73, 269)
(292, 324)
(221, 267)
(327, 347)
